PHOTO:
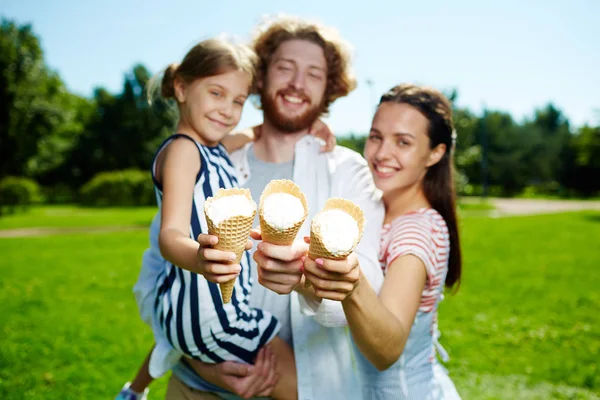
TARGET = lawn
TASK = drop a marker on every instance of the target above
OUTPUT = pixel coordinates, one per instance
(74, 216)
(523, 325)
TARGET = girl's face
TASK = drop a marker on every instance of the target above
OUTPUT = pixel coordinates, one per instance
(212, 106)
(398, 148)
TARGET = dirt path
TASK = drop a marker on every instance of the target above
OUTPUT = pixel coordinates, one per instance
(27, 232)
(505, 207)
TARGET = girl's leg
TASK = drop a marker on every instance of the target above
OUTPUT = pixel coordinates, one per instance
(143, 379)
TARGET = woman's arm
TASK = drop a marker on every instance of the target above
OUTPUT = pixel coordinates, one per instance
(381, 325)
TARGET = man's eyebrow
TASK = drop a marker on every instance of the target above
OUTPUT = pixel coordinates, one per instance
(290, 60)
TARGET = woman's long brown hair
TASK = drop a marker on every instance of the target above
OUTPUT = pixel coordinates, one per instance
(438, 184)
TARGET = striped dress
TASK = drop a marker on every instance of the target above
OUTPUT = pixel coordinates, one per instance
(188, 309)
(417, 374)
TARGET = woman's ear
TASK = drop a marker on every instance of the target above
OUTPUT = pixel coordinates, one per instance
(436, 154)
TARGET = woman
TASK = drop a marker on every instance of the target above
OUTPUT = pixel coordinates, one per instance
(409, 153)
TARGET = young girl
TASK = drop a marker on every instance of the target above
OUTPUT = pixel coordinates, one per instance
(210, 87)
(409, 150)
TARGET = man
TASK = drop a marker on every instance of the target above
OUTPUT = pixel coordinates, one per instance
(304, 68)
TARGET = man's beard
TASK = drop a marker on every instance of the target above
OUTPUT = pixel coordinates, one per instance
(282, 122)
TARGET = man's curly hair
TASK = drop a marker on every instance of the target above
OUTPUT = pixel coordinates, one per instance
(274, 31)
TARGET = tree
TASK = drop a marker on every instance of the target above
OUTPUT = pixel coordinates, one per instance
(551, 127)
(582, 159)
(353, 141)
(123, 132)
(34, 106)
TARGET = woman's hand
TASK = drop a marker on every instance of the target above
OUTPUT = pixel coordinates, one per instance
(333, 279)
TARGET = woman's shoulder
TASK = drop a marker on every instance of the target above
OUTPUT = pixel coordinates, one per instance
(424, 221)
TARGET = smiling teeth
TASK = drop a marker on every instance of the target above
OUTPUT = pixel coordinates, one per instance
(385, 170)
(294, 100)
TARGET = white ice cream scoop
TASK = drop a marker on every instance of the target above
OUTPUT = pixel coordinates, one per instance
(338, 230)
(226, 207)
(282, 210)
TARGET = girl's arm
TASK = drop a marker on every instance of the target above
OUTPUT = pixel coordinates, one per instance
(177, 168)
(177, 171)
(381, 325)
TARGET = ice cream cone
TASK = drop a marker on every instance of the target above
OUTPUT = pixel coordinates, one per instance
(272, 234)
(233, 233)
(317, 248)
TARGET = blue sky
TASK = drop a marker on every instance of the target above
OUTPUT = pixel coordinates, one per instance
(510, 55)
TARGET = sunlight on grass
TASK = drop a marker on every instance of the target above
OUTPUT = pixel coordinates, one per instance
(75, 216)
(523, 325)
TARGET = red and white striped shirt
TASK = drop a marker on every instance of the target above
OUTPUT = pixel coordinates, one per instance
(424, 234)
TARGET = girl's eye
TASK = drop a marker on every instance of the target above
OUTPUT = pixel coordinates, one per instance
(239, 102)
(215, 93)
(374, 138)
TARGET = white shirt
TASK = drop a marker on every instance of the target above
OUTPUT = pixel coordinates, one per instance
(325, 360)
(322, 348)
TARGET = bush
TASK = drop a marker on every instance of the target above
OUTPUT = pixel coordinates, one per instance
(119, 188)
(18, 192)
(58, 194)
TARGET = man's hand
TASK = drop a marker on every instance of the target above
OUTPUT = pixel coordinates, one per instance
(279, 267)
(333, 279)
(242, 379)
(216, 265)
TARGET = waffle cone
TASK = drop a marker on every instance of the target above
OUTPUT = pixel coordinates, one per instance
(227, 290)
(317, 248)
(233, 234)
(271, 234)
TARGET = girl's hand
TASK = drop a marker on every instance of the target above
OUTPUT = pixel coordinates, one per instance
(322, 131)
(216, 265)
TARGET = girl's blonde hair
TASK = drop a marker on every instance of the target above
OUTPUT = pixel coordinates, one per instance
(208, 58)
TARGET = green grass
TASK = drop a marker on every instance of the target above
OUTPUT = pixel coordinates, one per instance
(75, 216)
(474, 206)
(524, 324)
(69, 326)
(526, 315)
